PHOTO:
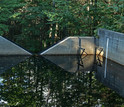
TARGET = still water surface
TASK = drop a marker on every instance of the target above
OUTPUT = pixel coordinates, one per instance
(60, 81)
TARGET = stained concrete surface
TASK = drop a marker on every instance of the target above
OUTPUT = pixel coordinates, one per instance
(72, 46)
(9, 48)
(115, 45)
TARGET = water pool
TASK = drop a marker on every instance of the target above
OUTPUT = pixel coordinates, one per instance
(60, 81)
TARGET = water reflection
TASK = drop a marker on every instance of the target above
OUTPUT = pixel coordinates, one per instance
(37, 82)
(73, 63)
(7, 62)
(114, 76)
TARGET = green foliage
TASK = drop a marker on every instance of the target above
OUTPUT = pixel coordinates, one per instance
(37, 24)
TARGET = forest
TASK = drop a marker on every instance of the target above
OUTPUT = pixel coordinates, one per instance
(38, 24)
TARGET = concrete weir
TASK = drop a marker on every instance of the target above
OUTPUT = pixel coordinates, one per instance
(9, 48)
(72, 46)
(110, 44)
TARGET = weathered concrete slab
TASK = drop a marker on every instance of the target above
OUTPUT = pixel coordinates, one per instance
(73, 63)
(115, 45)
(9, 48)
(72, 46)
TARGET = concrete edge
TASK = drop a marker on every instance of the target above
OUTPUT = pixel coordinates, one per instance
(42, 53)
(54, 46)
(17, 46)
(102, 29)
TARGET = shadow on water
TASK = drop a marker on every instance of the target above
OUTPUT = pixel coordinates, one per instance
(37, 82)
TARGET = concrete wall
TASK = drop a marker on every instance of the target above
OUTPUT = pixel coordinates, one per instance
(115, 45)
(9, 48)
(71, 45)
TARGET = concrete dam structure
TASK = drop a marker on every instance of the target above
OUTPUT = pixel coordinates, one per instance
(109, 44)
(72, 46)
(9, 48)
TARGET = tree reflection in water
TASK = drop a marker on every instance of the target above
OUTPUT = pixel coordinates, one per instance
(37, 82)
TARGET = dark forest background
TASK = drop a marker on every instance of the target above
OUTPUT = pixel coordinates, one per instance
(38, 24)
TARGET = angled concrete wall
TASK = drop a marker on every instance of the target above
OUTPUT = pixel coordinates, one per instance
(72, 46)
(9, 48)
(115, 44)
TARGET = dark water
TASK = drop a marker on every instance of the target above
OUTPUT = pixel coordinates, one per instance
(60, 81)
